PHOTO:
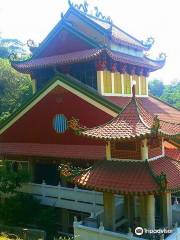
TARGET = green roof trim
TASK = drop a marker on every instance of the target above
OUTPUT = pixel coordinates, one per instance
(75, 85)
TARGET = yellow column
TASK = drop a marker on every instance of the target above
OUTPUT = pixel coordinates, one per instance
(100, 84)
(34, 85)
(109, 211)
(122, 82)
(129, 208)
(150, 211)
(108, 151)
(112, 81)
(167, 210)
(142, 211)
(144, 149)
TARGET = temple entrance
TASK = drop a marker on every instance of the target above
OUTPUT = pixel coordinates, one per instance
(47, 172)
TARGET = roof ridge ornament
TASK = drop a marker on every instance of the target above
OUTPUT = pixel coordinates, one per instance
(84, 7)
(149, 42)
(162, 56)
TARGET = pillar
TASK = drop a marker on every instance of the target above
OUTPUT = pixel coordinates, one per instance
(109, 211)
(31, 166)
(149, 211)
(144, 149)
(100, 84)
(129, 208)
(167, 210)
(65, 220)
(122, 82)
(142, 211)
(33, 85)
(112, 79)
(108, 151)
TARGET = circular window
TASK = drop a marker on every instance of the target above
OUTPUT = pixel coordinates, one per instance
(60, 123)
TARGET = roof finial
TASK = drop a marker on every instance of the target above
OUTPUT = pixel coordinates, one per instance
(133, 89)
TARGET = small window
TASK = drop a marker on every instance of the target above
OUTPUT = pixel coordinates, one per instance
(125, 146)
(60, 123)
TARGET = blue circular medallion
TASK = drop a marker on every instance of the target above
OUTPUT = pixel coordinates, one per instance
(60, 123)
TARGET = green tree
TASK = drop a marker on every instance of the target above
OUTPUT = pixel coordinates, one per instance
(171, 94)
(156, 87)
(15, 88)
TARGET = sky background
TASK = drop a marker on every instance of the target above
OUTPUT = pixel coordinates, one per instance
(160, 19)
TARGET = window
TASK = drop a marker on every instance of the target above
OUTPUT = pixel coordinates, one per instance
(60, 123)
(125, 146)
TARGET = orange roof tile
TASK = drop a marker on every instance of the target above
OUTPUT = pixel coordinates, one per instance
(119, 177)
(133, 121)
(89, 152)
(135, 177)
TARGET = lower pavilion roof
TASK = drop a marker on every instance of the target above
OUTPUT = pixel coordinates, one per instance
(86, 152)
(85, 55)
(132, 177)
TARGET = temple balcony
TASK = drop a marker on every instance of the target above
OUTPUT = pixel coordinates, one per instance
(69, 198)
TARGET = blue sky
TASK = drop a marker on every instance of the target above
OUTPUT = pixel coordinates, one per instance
(24, 19)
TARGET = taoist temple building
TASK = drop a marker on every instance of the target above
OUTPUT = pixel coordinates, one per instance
(91, 110)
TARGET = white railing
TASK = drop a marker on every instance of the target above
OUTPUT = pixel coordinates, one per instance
(69, 198)
(175, 235)
(82, 232)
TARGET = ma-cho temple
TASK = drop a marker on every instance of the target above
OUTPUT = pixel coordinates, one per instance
(99, 148)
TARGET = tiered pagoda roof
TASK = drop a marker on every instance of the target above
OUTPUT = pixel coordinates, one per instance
(130, 177)
(134, 121)
(86, 27)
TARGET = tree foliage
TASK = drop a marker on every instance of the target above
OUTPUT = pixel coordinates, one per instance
(11, 178)
(15, 88)
(169, 93)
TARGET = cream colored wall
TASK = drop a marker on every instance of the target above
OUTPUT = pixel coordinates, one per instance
(116, 84)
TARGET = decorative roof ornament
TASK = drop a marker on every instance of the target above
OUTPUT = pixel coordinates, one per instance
(99, 14)
(162, 57)
(162, 181)
(149, 42)
(31, 44)
(155, 125)
(82, 6)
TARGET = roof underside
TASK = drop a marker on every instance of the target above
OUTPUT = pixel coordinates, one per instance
(83, 56)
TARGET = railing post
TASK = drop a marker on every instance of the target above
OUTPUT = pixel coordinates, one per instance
(75, 194)
(43, 189)
(59, 191)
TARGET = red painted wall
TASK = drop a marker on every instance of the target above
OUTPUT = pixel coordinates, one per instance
(36, 125)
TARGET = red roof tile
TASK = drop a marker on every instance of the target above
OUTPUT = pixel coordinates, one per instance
(171, 168)
(153, 105)
(119, 177)
(133, 121)
(173, 153)
(123, 177)
(84, 55)
(90, 152)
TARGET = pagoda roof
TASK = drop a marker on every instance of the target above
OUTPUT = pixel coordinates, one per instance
(134, 121)
(84, 152)
(118, 35)
(82, 56)
(132, 177)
